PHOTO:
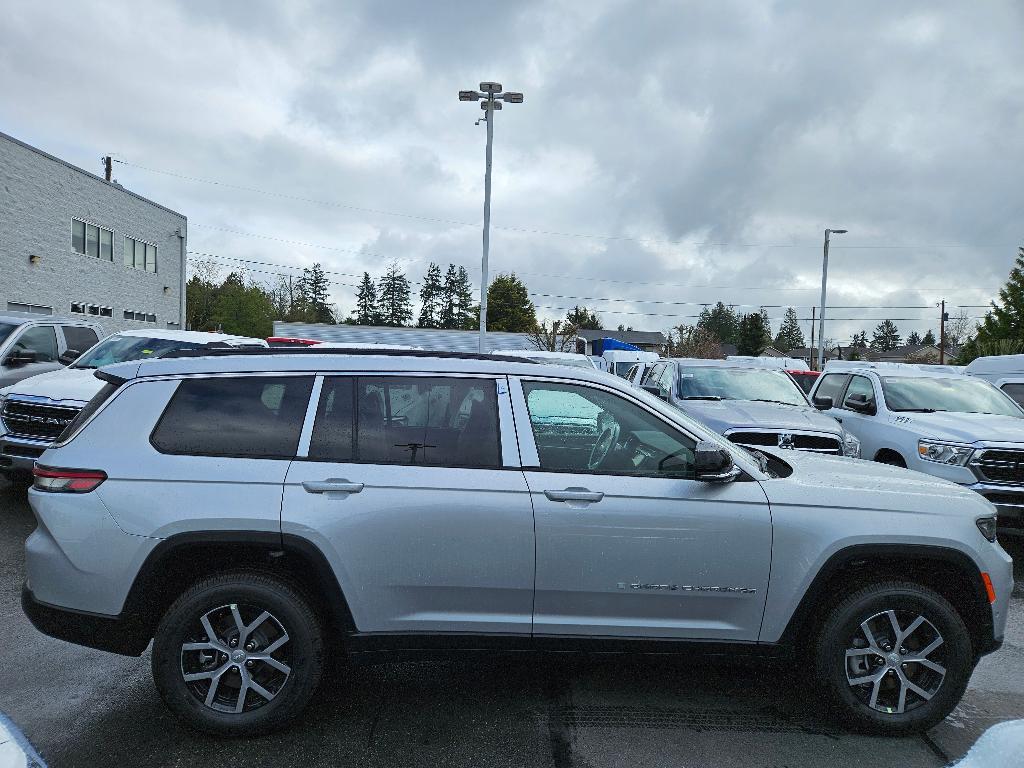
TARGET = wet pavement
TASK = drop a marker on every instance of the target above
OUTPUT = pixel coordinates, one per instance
(81, 707)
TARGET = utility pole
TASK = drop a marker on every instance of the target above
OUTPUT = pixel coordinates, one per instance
(108, 163)
(810, 352)
(824, 282)
(943, 317)
(490, 96)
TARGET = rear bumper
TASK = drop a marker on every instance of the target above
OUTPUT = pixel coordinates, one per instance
(116, 634)
(1009, 504)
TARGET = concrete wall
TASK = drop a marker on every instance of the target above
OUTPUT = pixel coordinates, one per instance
(39, 196)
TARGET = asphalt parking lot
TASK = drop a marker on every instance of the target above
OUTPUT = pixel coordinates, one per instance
(87, 708)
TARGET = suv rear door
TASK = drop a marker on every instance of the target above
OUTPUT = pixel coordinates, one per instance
(628, 543)
(411, 487)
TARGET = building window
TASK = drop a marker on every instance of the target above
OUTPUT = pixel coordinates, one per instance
(78, 307)
(98, 311)
(34, 309)
(92, 240)
(139, 255)
(142, 317)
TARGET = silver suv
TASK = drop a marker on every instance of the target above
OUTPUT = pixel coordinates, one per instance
(252, 513)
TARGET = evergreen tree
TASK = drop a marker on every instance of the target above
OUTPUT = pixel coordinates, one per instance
(365, 312)
(860, 340)
(914, 338)
(313, 289)
(449, 310)
(431, 298)
(751, 336)
(1005, 321)
(467, 317)
(885, 337)
(928, 338)
(721, 321)
(581, 317)
(790, 336)
(509, 307)
(394, 306)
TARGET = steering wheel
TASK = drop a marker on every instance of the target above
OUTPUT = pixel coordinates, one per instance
(605, 442)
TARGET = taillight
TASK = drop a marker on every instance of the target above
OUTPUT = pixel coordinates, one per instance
(57, 480)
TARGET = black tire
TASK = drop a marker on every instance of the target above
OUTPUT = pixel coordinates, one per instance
(250, 593)
(842, 626)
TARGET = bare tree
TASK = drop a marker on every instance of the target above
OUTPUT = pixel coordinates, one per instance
(560, 336)
(958, 329)
(693, 341)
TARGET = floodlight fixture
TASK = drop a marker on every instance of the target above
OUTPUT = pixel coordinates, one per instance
(469, 96)
(490, 87)
(512, 98)
(488, 104)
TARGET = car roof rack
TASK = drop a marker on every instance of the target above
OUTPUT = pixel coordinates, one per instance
(215, 349)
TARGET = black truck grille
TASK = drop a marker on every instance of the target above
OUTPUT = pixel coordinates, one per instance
(1000, 466)
(797, 441)
(36, 420)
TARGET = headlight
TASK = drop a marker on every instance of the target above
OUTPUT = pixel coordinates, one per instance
(851, 446)
(944, 453)
(987, 526)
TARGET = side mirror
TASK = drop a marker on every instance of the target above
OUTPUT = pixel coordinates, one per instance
(859, 403)
(21, 357)
(655, 390)
(822, 403)
(69, 356)
(712, 464)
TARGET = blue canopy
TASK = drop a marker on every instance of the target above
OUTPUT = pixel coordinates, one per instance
(602, 345)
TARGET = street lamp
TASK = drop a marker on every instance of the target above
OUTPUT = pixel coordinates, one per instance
(490, 97)
(824, 282)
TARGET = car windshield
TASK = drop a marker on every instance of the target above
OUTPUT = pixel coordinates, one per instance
(621, 369)
(904, 393)
(6, 329)
(120, 349)
(711, 383)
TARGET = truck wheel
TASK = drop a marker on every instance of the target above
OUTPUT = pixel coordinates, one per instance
(238, 654)
(893, 658)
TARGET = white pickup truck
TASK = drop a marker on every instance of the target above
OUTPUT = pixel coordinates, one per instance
(945, 424)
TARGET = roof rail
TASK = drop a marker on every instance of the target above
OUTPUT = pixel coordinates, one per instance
(225, 351)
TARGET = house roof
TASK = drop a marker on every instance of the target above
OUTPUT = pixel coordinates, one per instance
(630, 337)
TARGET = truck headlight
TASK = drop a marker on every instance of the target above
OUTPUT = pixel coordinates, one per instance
(987, 526)
(944, 453)
(851, 446)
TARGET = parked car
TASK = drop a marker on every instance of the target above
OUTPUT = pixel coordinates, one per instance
(755, 406)
(1003, 371)
(36, 410)
(266, 511)
(948, 425)
(571, 359)
(636, 372)
(34, 344)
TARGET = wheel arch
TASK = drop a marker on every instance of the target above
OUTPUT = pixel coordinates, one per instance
(950, 572)
(887, 452)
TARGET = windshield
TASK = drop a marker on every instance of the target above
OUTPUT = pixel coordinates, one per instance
(708, 382)
(5, 330)
(120, 349)
(955, 395)
(621, 369)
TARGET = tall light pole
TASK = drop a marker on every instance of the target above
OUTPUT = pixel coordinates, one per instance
(490, 97)
(824, 283)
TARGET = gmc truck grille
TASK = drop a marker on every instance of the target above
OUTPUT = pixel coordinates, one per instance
(1000, 466)
(22, 418)
(794, 440)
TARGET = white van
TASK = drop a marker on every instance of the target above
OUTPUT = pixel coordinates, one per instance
(621, 360)
(1004, 371)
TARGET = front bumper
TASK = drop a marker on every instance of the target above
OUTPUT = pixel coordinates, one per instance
(20, 453)
(1009, 504)
(116, 634)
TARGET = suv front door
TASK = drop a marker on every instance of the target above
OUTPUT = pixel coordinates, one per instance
(411, 488)
(38, 340)
(628, 543)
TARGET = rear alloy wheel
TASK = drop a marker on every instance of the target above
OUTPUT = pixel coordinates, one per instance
(238, 654)
(895, 658)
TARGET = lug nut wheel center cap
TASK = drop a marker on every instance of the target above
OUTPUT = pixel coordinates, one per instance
(238, 656)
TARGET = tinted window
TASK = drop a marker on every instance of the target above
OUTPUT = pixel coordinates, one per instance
(256, 417)
(5, 331)
(452, 422)
(79, 338)
(78, 235)
(334, 429)
(831, 386)
(1016, 391)
(581, 429)
(42, 339)
(861, 385)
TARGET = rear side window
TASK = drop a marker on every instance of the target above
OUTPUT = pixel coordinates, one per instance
(408, 420)
(79, 338)
(245, 416)
(831, 386)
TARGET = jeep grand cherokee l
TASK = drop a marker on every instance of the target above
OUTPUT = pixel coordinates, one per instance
(251, 513)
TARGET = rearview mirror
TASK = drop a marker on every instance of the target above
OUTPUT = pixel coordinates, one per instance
(654, 389)
(822, 403)
(712, 464)
(859, 403)
(69, 356)
(21, 357)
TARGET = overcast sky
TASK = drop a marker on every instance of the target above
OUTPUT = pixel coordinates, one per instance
(666, 152)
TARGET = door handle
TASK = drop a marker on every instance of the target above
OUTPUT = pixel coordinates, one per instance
(334, 487)
(575, 494)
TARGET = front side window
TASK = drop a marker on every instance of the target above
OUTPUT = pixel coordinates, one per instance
(1014, 390)
(243, 416)
(860, 385)
(41, 339)
(707, 382)
(927, 394)
(582, 429)
(832, 385)
(120, 349)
